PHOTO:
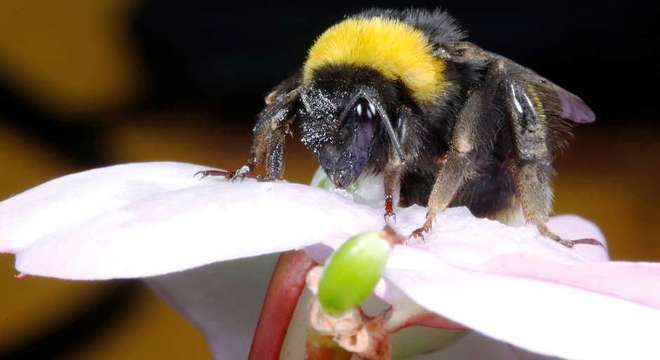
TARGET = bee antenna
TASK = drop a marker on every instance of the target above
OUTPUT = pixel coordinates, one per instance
(374, 100)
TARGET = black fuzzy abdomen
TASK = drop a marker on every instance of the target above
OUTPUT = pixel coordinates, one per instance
(416, 185)
(487, 193)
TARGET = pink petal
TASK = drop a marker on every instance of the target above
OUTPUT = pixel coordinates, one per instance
(460, 252)
(508, 283)
(461, 239)
(543, 317)
(181, 229)
(71, 200)
(638, 282)
(575, 227)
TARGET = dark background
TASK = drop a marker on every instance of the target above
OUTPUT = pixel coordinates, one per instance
(202, 54)
(84, 84)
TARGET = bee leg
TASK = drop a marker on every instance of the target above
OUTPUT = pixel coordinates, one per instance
(257, 152)
(468, 137)
(535, 194)
(275, 153)
(532, 181)
(451, 177)
(273, 124)
(222, 173)
(533, 168)
(242, 172)
(267, 148)
(392, 179)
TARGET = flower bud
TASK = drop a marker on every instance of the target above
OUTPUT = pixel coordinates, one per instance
(352, 272)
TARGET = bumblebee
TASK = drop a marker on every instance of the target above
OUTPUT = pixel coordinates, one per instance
(402, 94)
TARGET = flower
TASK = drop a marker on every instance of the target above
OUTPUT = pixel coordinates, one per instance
(209, 243)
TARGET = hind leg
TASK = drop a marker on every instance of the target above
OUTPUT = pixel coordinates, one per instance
(533, 168)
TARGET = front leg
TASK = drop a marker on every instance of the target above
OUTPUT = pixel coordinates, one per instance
(392, 183)
(469, 137)
(452, 175)
(267, 147)
(269, 134)
(396, 163)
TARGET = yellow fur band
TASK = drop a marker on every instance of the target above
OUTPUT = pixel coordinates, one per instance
(393, 48)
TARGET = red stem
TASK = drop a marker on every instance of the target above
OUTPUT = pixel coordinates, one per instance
(286, 285)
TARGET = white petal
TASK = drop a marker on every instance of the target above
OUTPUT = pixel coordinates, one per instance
(368, 189)
(575, 227)
(178, 230)
(69, 201)
(223, 300)
(459, 238)
(543, 317)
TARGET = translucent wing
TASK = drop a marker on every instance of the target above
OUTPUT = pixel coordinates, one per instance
(560, 108)
(558, 102)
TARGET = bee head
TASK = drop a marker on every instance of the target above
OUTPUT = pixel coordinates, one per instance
(357, 76)
(348, 152)
(345, 121)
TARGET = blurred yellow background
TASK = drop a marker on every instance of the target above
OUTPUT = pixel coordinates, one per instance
(74, 57)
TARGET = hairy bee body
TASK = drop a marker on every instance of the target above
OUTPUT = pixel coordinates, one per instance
(401, 93)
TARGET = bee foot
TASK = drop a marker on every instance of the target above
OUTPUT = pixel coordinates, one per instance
(543, 229)
(419, 233)
(204, 173)
(240, 174)
(390, 218)
(571, 243)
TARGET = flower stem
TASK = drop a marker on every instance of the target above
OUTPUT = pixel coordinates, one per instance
(286, 285)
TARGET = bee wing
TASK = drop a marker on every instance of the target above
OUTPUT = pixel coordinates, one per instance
(561, 109)
(558, 102)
